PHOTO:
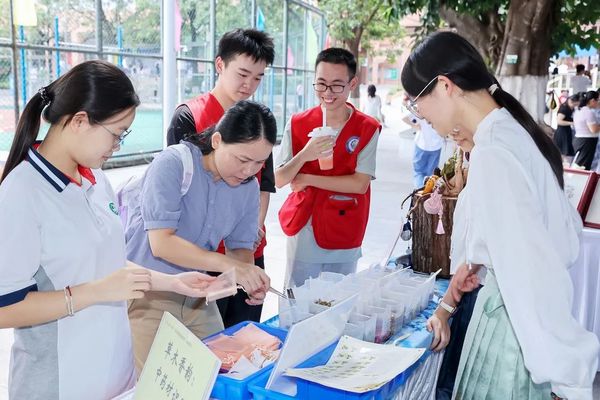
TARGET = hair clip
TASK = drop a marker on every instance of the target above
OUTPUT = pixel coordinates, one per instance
(44, 95)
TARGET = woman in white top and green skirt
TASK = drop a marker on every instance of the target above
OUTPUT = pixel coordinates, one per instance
(514, 230)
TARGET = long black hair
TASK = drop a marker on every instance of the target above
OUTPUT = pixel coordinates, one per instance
(97, 87)
(371, 89)
(586, 97)
(246, 121)
(448, 54)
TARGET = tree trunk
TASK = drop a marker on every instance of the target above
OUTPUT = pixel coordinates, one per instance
(530, 90)
(528, 36)
(353, 46)
(523, 65)
(519, 51)
(431, 251)
(485, 33)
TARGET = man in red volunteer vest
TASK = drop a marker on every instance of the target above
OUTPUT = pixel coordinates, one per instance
(243, 55)
(326, 214)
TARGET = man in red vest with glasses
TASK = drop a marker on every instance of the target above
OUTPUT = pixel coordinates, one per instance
(329, 171)
(242, 56)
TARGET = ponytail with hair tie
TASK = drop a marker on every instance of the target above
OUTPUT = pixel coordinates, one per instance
(585, 97)
(97, 87)
(43, 92)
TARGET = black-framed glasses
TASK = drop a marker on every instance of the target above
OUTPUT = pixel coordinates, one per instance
(118, 139)
(411, 104)
(321, 87)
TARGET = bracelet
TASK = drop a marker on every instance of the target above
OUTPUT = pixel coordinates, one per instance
(69, 301)
(447, 307)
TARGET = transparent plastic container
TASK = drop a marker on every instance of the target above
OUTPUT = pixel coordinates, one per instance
(396, 310)
(290, 317)
(286, 304)
(354, 330)
(333, 277)
(368, 325)
(342, 294)
(224, 285)
(409, 302)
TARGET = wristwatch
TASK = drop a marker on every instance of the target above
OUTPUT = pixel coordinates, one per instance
(447, 307)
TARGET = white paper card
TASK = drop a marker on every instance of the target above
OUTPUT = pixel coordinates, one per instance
(307, 338)
(358, 366)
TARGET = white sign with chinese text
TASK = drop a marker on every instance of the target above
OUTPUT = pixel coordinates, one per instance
(179, 366)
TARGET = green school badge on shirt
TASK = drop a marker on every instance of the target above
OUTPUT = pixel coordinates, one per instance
(113, 208)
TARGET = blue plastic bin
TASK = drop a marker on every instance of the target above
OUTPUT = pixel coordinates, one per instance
(227, 388)
(311, 390)
(419, 337)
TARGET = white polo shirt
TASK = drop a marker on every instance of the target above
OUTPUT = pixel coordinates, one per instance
(55, 233)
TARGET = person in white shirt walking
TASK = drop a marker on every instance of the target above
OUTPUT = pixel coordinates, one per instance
(372, 106)
(428, 148)
(580, 82)
(587, 129)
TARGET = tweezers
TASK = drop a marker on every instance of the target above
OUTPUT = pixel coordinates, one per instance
(274, 291)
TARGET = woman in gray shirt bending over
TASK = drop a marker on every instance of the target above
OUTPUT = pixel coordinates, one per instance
(172, 232)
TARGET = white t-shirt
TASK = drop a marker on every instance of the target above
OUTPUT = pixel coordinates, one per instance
(580, 83)
(581, 118)
(55, 233)
(372, 107)
(427, 138)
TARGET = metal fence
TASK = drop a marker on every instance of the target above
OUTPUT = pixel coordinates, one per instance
(35, 51)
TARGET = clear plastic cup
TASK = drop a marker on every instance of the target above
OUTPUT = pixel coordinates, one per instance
(326, 161)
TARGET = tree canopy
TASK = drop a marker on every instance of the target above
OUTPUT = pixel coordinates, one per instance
(357, 23)
(486, 22)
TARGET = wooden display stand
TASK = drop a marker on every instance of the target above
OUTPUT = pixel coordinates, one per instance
(431, 251)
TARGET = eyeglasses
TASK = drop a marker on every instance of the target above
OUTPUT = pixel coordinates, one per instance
(411, 104)
(321, 87)
(118, 139)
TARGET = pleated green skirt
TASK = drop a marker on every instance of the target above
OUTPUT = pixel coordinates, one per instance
(491, 364)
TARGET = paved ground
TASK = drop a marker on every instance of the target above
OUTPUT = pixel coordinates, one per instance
(393, 183)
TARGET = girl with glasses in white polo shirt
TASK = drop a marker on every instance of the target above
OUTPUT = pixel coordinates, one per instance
(63, 284)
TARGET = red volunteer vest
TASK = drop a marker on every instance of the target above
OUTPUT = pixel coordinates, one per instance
(339, 220)
(207, 111)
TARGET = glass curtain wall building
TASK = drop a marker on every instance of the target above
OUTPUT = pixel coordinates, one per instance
(48, 37)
